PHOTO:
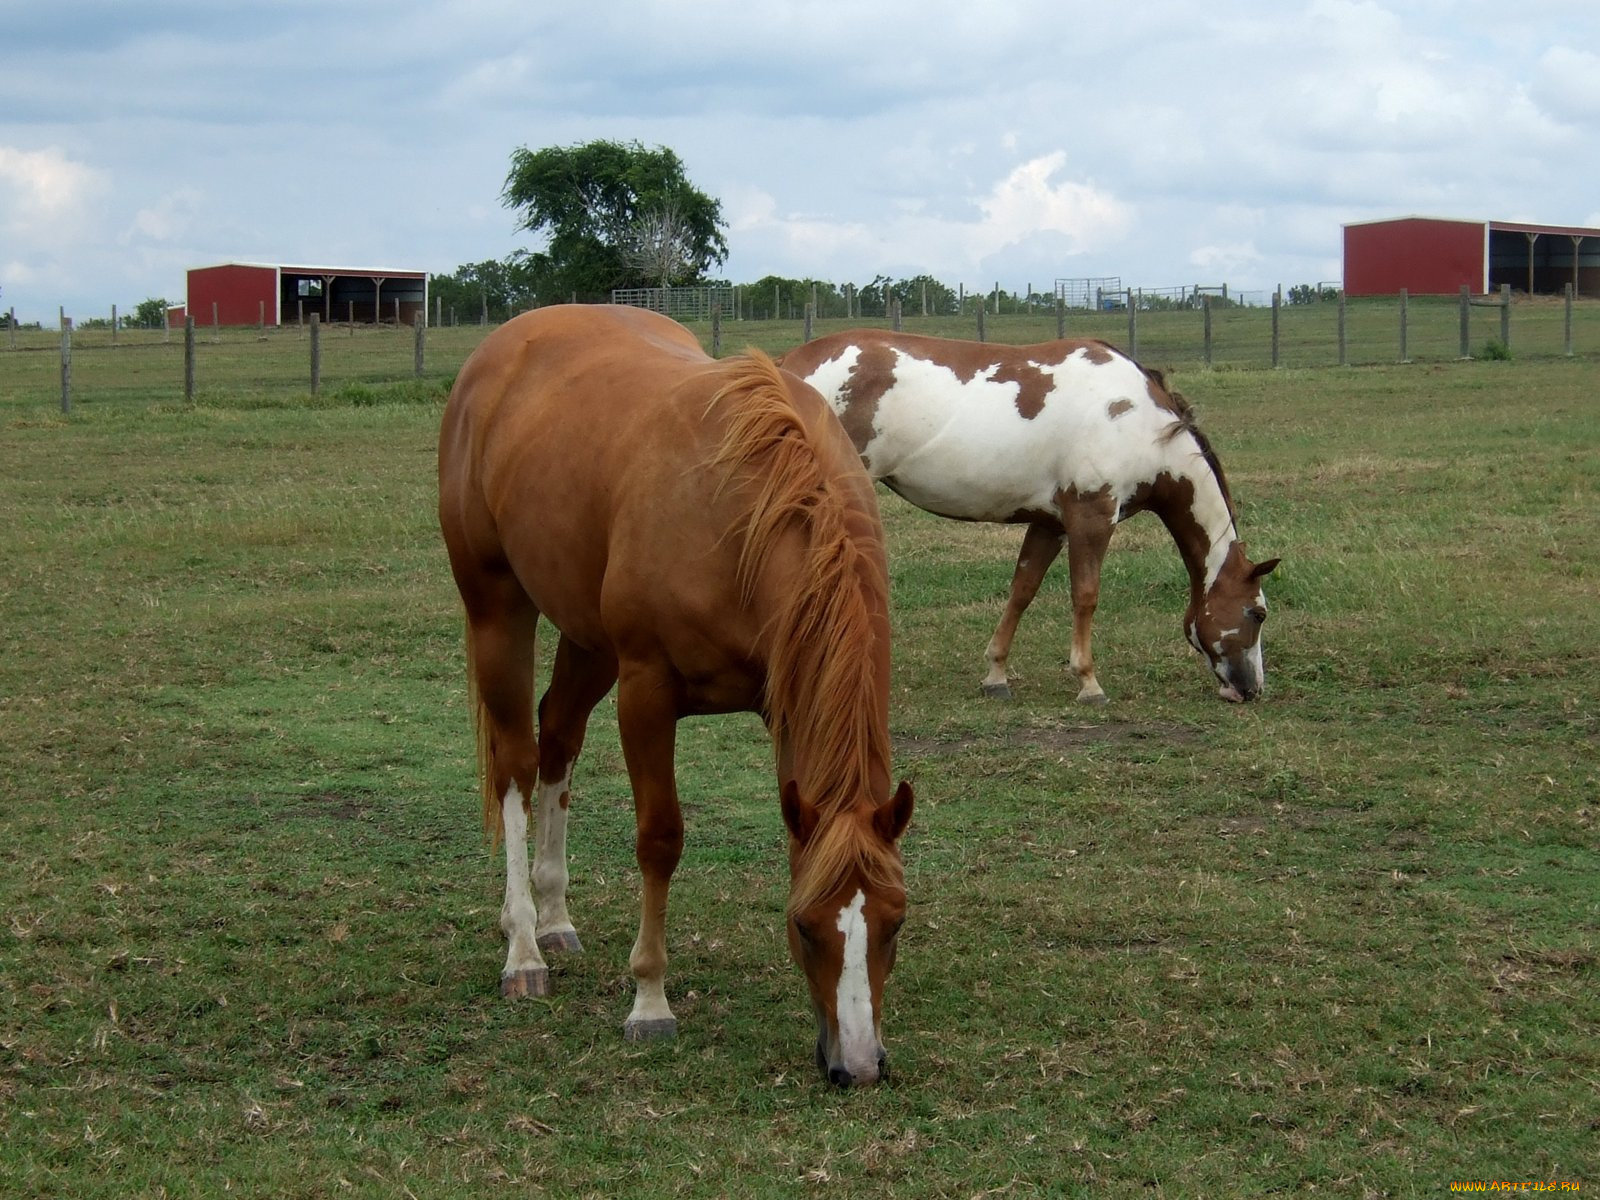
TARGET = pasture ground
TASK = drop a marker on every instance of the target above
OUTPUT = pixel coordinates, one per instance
(1340, 941)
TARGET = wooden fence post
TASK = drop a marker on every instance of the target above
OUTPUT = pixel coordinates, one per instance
(1133, 325)
(1405, 305)
(12, 322)
(216, 322)
(261, 318)
(1061, 318)
(716, 330)
(1505, 315)
(1205, 313)
(113, 324)
(66, 364)
(418, 324)
(188, 358)
(1277, 327)
(352, 312)
(1568, 338)
(896, 308)
(1466, 322)
(983, 307)
(316, 353)
(1344, 334)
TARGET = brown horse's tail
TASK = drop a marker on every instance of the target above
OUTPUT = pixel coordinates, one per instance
(493, 822)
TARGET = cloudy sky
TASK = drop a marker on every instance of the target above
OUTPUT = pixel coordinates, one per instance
(1013, 141)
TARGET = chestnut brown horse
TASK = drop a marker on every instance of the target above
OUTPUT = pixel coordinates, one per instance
(1068, 438)
(702, 535)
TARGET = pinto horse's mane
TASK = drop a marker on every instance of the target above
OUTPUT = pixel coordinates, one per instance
(821, 685)
(1185, 420)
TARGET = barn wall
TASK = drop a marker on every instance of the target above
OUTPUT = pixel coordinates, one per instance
(1426, 257)
(236, 290)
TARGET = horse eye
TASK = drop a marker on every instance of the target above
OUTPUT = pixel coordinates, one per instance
(805, 934)
(1258, 615)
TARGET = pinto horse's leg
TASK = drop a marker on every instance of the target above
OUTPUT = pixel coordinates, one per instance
(1040, 545)
(1088, 535)
(502, 632)
(647, 722)
(579, 680)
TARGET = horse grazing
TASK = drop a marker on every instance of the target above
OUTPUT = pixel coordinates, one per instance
(1068, 438)
(702, 535)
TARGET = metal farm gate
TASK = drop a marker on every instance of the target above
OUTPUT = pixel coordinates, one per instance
(681, 303)
(1088, 293)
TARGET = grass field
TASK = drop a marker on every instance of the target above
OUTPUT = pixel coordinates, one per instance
(1343, 940)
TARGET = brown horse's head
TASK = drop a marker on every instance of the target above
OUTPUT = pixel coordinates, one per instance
(847, 902)
(1225, 622)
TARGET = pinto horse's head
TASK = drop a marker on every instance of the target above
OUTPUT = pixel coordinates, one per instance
(847, 901)
(1225, 622)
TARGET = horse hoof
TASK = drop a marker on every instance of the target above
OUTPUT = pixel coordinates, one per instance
(561, 941)
(530, 981)
(1094, 699)
(997, 691)
(657, 1029)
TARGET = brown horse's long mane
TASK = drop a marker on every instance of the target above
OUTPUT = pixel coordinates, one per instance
(1185, 420)
(821, 687)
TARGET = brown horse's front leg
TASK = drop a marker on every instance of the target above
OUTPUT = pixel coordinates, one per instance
(1040, 546)
(647, 722)
(1088, 536)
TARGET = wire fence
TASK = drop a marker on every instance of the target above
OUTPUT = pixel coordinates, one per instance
(101, 362)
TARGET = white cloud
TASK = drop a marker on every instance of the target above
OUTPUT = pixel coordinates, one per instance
(41, 190)
(1013, 143)
(1568, 82)
(1225, 262)
(169, 218)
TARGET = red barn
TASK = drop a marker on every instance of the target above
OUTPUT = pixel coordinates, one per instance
(272, 294)
(1437, 256)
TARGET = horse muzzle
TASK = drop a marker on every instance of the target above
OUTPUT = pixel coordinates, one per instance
(1240, 682)
(843, 1076)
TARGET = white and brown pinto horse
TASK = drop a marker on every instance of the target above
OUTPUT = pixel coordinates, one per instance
(1067, 437)
(702, 535)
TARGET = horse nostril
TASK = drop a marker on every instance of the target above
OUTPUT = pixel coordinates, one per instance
(839, 1077)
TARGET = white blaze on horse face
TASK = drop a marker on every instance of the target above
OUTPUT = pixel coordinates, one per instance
(858, 1035)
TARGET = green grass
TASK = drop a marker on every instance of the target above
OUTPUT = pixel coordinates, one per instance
(1341, 940)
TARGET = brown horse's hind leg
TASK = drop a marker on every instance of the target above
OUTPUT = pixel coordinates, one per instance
(502, 628)
(647, 722)
(1040, 546)
(1088, 536)
(579, 680)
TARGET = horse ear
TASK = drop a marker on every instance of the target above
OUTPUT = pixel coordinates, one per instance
(892, 817)
(800, 817)
(1262, 570)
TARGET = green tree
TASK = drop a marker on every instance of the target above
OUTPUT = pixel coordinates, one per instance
(601, 207)
(499, 287)
(150, 313)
